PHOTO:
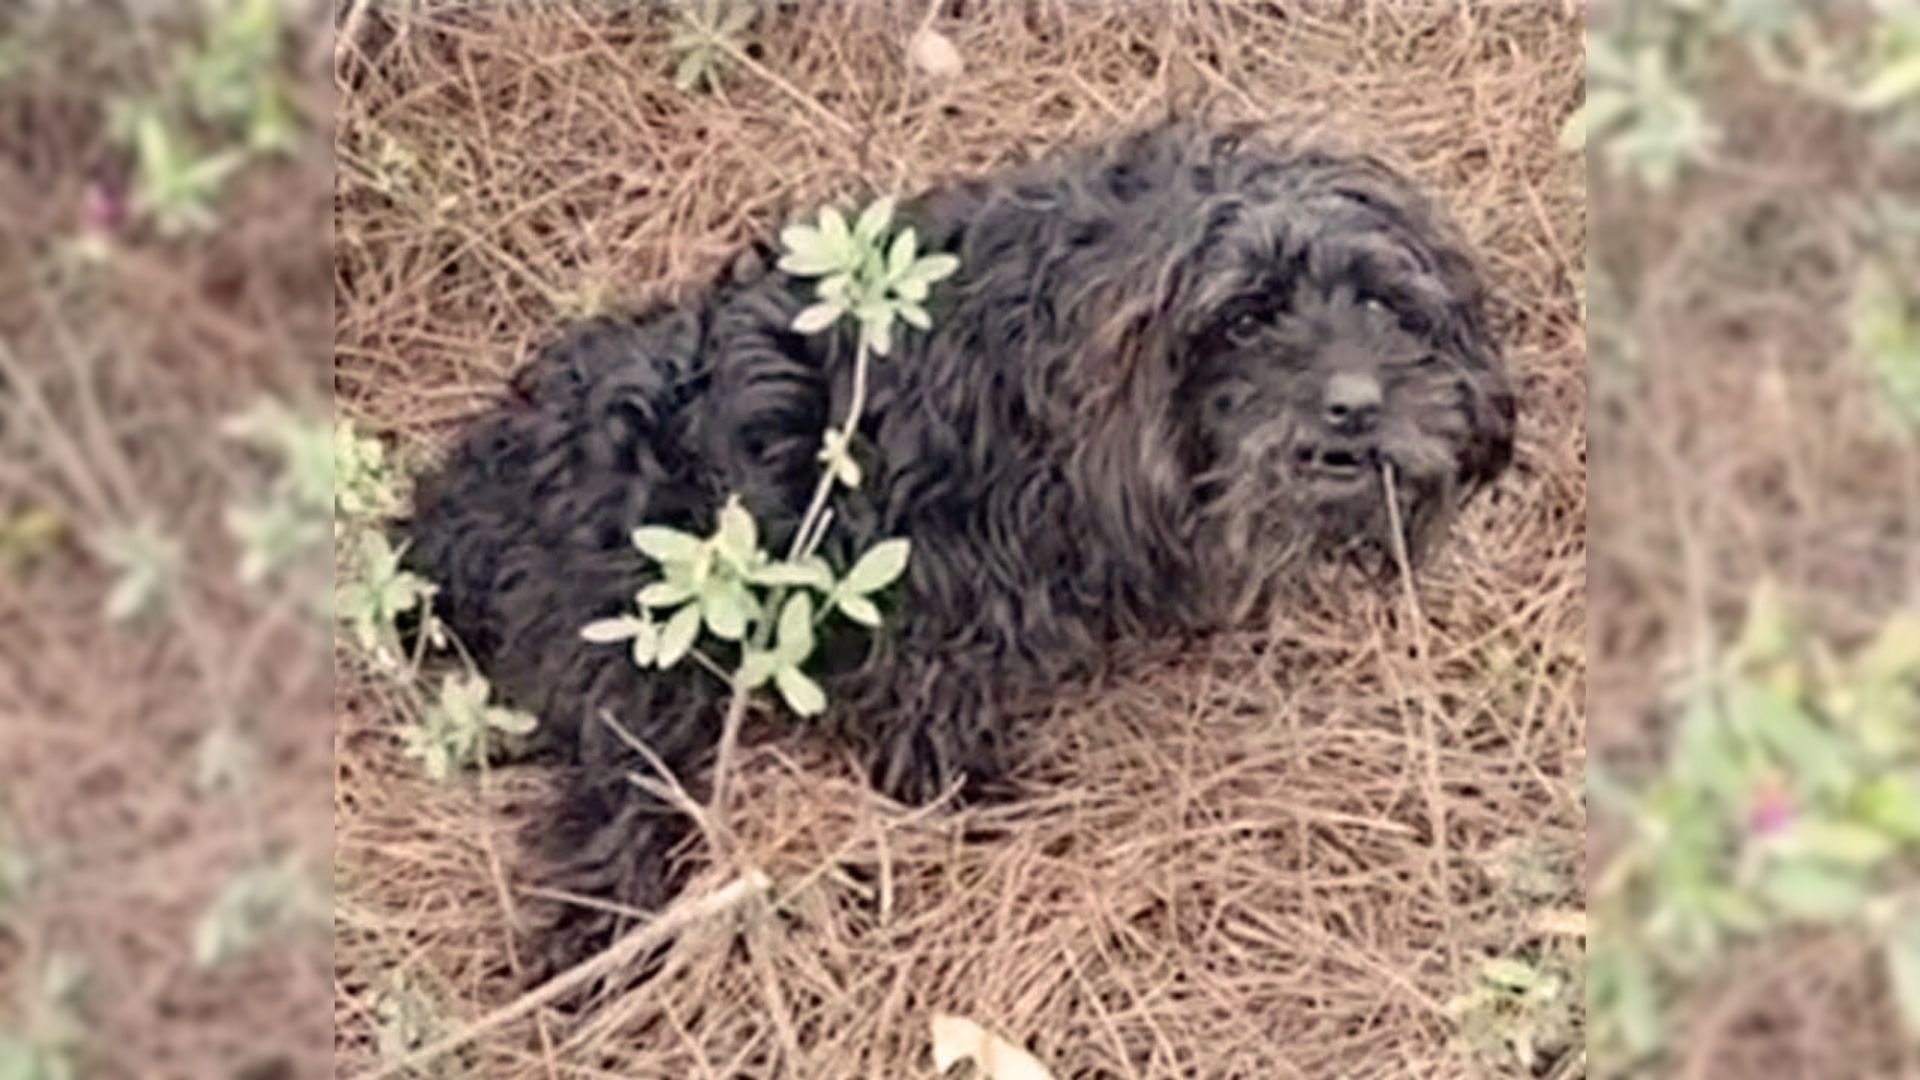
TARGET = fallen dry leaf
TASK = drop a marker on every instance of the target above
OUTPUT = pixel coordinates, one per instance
(955, 1039)
(932, 52)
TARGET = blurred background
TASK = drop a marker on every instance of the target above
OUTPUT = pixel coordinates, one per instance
(165, 539)
(1754, 583)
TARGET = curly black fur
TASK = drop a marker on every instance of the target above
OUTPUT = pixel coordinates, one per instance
(1163, 380)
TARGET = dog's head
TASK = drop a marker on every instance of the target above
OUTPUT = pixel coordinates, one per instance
(1304, 328)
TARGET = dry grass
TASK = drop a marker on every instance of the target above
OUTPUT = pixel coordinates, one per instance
(1276, 854)
(116, 373)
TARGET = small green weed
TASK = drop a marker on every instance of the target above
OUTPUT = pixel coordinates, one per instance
(706, 34)
(726, 583)
(49, 1040)
(1791, 798)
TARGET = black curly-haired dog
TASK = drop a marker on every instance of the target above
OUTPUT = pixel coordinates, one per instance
(1165, 378)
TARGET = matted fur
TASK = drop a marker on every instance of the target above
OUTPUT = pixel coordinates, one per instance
(1161, 383)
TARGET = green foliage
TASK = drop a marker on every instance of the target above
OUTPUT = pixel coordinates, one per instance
(1520, 1010)
(408, 1017)
(1642, 108)
(375, 592)
(1892, 65)
(148, 566)
(1791, 797)
(458, 727)
(706, 34)
(862, 275)
(257, 903)
(292, 522)
(1886, 334)
(222, 102)
(50, 1040)
(726, 583)
(457, 730)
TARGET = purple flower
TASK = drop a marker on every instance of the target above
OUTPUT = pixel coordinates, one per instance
(102, 209)
(1770, 808)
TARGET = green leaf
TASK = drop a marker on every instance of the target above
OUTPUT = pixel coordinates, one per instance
(932, 268)
(1841, 843)
(818, 317)
(881, 566)
(1510, 974)
(1892, 805)
(646, 647)
(914, 315)
(794, 641)
(1813, 892)
(1707, 760)
(878, 332)
(756, 667)
(1799, 743)
(1892, 85)
(1903, 969)
(512, 721)
(811, 572)
(808, 254)
(664, 594)
(874, 220)
(677, 637)
(801, 693)
(1623, 986)
(838, 289)
(1769, 632)
(665, 545)
(900, 256)
(834, 232)
(727, 606)
(859, 609)
(1894, 655)
(737, 538)
(619, 628)
(692, 68)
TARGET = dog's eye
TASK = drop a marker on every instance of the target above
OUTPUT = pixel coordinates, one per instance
(1227, 400)
(1245, 327)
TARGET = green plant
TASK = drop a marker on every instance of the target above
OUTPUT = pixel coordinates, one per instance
(1790, 798)
(1642, 108)
(1886, 334)
(454, 732)
(875, 282)
(222, 102)
(291, 522)
(1520, 1010)
(260, 900)
(148, 563)
(705, 36)
(50, 1039)
(407, 1018)
(726, 583)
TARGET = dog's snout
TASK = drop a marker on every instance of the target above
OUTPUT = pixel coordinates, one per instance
(1353, 402)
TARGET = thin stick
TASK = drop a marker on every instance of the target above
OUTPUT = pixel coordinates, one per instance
(806, 540)
(1436, 804)
(672, 921)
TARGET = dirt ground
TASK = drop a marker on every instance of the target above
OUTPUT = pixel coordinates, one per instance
(121, 353)
(1283, 854)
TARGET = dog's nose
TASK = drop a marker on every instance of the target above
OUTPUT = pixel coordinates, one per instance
(1353, 402)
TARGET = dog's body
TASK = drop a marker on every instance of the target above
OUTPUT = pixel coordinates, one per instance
(1164, 378)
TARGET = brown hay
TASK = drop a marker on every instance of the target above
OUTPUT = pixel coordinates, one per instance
(1229, 864)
